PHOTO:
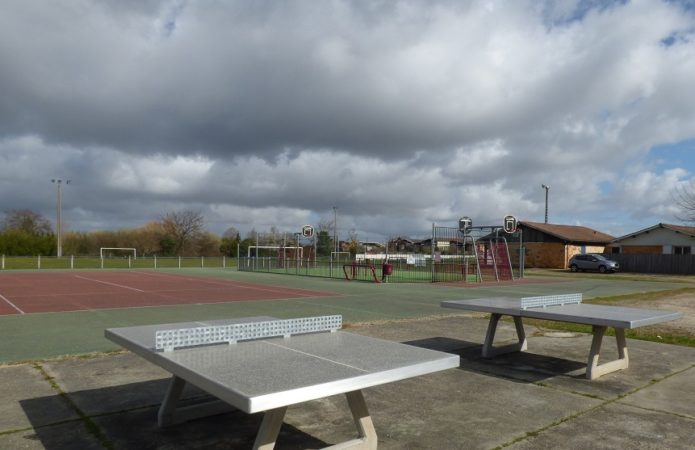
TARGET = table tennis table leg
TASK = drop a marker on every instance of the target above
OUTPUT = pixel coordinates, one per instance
(169, 414)
(270, 429)
(363, 421)
(165, 416)
(367, 439)
(489, 351)
(593, 368)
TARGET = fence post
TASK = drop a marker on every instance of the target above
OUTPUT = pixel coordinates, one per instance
(432, 254)
(72, 261)
(179, 262)
(3, 262)
(129, 261)
(155, 261)
(224, 262)
(202, 265)
(38, 262)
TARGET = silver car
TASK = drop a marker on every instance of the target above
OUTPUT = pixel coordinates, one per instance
(593, 261)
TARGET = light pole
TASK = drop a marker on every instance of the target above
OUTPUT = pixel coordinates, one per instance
(547, 188)
(59, 220)
(335, 229)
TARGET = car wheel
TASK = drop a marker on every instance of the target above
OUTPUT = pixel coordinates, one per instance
(573, 268)
(602, 269)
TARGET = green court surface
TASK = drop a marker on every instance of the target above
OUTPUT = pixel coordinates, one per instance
(48, 335)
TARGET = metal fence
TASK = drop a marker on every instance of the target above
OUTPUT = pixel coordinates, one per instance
(375, 269)
(480, 252)
(91, 262)
(448, 256)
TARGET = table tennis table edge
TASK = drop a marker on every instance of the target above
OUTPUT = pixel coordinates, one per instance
(289, 397)
(548, 314)
(598, 327)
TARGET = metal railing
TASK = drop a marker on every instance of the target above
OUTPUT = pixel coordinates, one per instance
(423, 270)
(95, 262)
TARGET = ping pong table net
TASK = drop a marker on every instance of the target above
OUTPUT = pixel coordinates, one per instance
(550, 300)
(169, 340)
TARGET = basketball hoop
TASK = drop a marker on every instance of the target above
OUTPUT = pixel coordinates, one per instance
(307, 231)
(510, 224)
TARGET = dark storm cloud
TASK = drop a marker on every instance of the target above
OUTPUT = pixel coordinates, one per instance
(240, 78)
(400, 113)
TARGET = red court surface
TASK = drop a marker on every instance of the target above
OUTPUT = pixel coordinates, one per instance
(25, 293)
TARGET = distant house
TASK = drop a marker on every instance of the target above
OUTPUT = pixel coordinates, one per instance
(551, 245)
(661, 239)
(401, 244)
(372, 247)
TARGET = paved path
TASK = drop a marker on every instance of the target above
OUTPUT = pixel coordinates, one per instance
(519, 401)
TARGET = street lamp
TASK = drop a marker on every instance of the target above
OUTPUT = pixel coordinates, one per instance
(335, 229)
(547, 188)
(59, 220)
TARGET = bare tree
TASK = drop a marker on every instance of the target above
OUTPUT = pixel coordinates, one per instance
(684, 196)
(274, 236)
(27, 221)
(183, 227)
(253, 234)
(230, 233)
(325, 225)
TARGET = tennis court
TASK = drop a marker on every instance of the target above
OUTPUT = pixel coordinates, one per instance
(24, 293)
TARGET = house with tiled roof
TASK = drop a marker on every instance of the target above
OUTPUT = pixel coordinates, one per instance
(552, 245)
(660, 239)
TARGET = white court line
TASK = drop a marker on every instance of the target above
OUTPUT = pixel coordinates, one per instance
(238, 284)
(110, 284)
(11, 304)
(315, 356)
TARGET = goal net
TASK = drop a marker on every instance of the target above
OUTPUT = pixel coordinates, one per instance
(117, 252)
(275, 251)
(340, 257)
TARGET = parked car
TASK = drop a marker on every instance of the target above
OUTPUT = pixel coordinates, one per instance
(593, 261)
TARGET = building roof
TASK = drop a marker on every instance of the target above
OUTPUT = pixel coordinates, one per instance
(570, 233)
(689, 231)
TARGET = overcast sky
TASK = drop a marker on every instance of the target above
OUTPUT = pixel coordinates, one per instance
(399, 114)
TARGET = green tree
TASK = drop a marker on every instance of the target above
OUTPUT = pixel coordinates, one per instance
(244, 246)
(228, 244)
(21, 243)
(354, 243)
(207, 244)
(323, 243)
(167, 245)
(26, 233)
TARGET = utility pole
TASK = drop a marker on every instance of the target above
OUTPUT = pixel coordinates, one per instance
(59, 219)
(335, 229)
(547, 188)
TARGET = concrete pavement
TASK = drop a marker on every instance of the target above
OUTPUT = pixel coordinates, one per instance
(538, 399)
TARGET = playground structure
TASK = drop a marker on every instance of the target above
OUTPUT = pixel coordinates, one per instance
(278, 255)
(464, 254)
(480, 253)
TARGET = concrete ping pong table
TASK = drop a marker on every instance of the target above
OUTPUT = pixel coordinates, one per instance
(564, 308)
(260, 364)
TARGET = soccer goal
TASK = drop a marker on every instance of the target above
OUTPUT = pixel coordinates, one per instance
(117, 252)
(340, 256)
(272, 251)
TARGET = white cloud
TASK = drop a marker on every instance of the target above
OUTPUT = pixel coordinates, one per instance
(159, 174)
(399, 113)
